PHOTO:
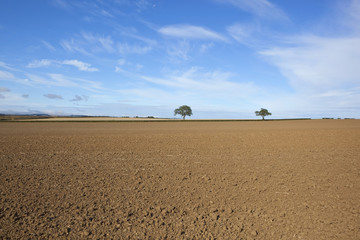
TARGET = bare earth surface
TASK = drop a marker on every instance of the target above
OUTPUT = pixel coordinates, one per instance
(180, 180)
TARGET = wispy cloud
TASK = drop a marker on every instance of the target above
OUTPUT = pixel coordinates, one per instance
(196, 79)
(249, 34)
(56, 80)
(61, 3)
(99, 43)
(200, 87)
(323, 72)
(205, 47)
(260, 8)
(25, 95)
(179, 50)
(82, 66)
(60, 80)
(106, 13)
(196, 86)
(73, 45)
(351, 14)
(318, 63)
(53, 96)
(121, 61)
(89, 44)
(40, 63)
(48, 46)
(125, 48)
(190, 32)
(134, 34)
(119, 69)
(130, 67)
(7, 67)
(6, 76)
(142, 4)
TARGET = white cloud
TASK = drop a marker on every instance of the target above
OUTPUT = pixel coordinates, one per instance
(205, 47)
(119, 69)
(128, 68)
(40, 63)
(7, 76)
(318, 63)
(90, 44)
(179, 50)
(190, 32)
(99, 43)
(260, 8)
(238, 32)
(106, 13)
(59, 80)
(202, 89)
(77, 82)
(82, 66)
(6, 66)
(246, 33)
(73, 45)
(142, 4)
(48, 46)
(121, 62)
(50, 80)
(324, 73)
(61, 3)
(125, 48)
(351, 14)
(205, 84)
(133, 33)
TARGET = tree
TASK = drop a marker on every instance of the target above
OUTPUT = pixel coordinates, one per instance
(183, 110)
(263, 112)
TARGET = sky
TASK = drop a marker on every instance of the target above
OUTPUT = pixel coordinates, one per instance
(225, 59)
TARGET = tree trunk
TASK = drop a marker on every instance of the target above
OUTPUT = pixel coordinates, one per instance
(183, 117)
(263, 117)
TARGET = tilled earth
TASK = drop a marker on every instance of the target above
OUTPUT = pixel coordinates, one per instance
(180, 180)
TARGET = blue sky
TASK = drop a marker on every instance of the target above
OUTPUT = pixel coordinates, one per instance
(224, 58)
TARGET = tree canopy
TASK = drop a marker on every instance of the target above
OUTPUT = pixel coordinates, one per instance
(263, 113)
(184, 111)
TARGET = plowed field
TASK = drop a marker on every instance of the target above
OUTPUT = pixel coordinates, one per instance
(180, 180)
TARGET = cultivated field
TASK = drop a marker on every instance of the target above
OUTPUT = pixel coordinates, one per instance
(180, 180)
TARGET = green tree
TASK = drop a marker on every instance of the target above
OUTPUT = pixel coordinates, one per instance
(184, 111)
(263, 113)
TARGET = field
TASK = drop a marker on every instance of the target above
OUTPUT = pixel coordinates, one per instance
(180, 180)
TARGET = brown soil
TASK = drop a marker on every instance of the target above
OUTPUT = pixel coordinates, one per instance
(180, 180)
